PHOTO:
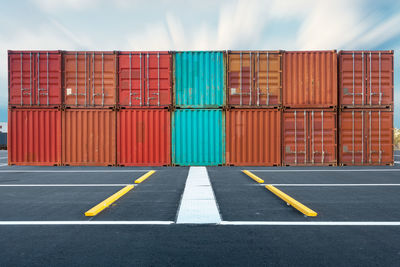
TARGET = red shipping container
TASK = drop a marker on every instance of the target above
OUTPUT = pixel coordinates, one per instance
(145, 79)
(309, 137)
(89, 137)
(310, 79)
(34, 137)
(366, 137)
(253, 137)
(366, 79)
(34, 78)
(90, 79)
(144, 137)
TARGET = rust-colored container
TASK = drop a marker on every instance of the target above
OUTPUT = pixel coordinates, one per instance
(366, 79)
(89, 137)
(144, 137)
(310, 79)
(145, 79)
(366, 137)
(254, 78)
(90, 79)
(253, 137)
(34, 137)
(34, 78)
(309, 137)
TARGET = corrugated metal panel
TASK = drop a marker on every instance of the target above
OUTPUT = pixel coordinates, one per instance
(198, 137)
(310, 79)
(145, 79)
(144, 137)
(90, 79)
(309, 137)
(88, 137)
(254, 78)
(366, 78)
(34, 78)
(34, 137)
(253, 137)
(366, 137)
(199, 79)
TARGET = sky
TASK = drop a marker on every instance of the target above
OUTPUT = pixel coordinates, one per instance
(198, 25)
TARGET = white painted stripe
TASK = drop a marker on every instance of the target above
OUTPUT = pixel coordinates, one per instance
(311, 223)
(66, 171)
(331, 184)
(332, 170)
(198, 204)
(86, 222)
(59, 185)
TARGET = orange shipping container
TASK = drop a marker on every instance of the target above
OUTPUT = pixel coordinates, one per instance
(366, 137)
(254, 78)
(309, 137)
(253, 137)
(144, 137)
(90, 79)
(310, 79)
(88, 137)
(34, 137)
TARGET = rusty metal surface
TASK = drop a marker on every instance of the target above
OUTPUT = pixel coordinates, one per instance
(366, 137)
(253, 137)
(309, 137)
(89, 137)
(310, 79)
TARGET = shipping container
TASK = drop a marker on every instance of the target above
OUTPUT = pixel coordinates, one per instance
(34, 137)
(89, 137)
(366, 137)
(34, 78)
(90, 79)
(366, 79)
(253, 137)
(145, 79)
(254, 78)
(3, 140)
(144, 137)
(309, 137)
(199, 79)
(310, 79)
(198, 137)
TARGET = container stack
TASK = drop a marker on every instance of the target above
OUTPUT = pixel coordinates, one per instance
(310, 108)
(198, 121)
(366, 107)
(253, 118)
(145, 101)
(34, 107)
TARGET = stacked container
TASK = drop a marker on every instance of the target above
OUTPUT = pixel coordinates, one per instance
(366, 107)
(310, 107)
(198, 121)
(144, 117)
(253, 119)
(34, 111)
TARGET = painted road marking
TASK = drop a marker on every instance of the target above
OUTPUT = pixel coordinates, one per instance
(294, 223)
(59, 185)
(332, 184)
(65, 171)
(144, 177)
(198, 204)
(107, 202)
(339, 170)
(254, 177)
(86, 222)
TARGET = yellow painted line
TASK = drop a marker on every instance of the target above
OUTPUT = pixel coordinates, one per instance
(144, 177)
(291, 201)
(106, 203)
(254, 177)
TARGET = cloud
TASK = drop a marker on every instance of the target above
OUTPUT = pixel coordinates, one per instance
(52, 5)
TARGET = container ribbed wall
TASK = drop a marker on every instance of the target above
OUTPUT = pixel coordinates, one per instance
(144, 137)
(198, 137)
(89, 137)
(199, 79)
(253, 137)
(34, 137)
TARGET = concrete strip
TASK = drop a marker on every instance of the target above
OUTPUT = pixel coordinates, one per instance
(198, 204)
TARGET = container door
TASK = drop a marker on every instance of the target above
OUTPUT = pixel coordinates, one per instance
(295, 137)
(76, 79)
(21, 78)
(353, 79)
(103, 82)
(48, 90)
(322, 136)
(241, 68)
(131, 80)
(158, 83)
(380, 137)
(353, 135)
(267, 87)
(380, 78)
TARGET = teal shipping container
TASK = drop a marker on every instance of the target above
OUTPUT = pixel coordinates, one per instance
(198, 137)
(199, 79)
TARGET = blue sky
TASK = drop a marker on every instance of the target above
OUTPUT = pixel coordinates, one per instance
(198, 25)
